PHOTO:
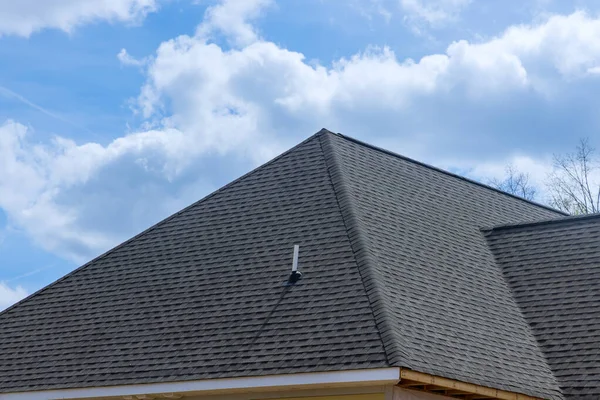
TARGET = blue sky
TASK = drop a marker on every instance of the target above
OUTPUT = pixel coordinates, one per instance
(116, 113)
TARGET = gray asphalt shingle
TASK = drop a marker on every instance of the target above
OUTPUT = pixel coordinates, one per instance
(554, 271)
(396, 272)
(202, 295)
(444, 306)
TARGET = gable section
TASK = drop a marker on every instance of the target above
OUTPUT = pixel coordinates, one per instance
(201, 295)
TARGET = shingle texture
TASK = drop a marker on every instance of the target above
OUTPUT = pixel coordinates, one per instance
(396, 272)
(446, 309)
(202, 295)
(554, 272)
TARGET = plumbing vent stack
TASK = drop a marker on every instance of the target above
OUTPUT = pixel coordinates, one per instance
(296, 275)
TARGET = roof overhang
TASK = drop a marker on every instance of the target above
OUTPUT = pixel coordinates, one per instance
(332, 379)
(452, 388)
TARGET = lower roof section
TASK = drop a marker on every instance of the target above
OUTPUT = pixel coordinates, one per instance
(553, 268)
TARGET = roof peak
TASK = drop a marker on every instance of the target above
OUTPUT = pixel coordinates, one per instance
(381, 236)
(165, 220)
(323, 131)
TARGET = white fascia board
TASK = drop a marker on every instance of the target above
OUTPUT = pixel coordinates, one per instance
(316, 379)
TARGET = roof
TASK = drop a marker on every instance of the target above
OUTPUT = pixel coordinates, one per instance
(396, 272)
(443, 304)
(553, 269)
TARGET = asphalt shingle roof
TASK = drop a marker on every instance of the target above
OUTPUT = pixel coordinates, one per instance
(202, 294)
(396, 272)
(553, 269)
(444, 306)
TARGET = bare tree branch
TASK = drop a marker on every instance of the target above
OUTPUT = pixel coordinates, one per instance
(574, 183)
(516, 183)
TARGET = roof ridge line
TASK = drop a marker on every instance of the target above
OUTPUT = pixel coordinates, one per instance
(565, 219)
(159, 223)
(464, 178)
(361, 252)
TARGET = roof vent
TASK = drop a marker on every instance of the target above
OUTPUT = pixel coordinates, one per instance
(295, 275)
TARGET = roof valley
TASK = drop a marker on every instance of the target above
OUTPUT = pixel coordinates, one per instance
(364, 259)
(509, 284)
(519, 306)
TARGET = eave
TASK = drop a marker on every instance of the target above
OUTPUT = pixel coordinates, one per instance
(333, 379)
(398, 377)
(452, 388)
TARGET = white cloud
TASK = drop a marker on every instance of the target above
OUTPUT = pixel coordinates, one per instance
(594, 70)
(371, 9)
(9, 296)
(43, 188)
(261, 80)
(126, 59)
(24, 17)
(255, 98)
(566, 42)
(232, 18)
(537, 169)
(433, 12)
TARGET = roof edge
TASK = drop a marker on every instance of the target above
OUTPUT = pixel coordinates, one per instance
(473, 181)
(360, 249)
(353, 378)
(158, 224)
(566, 219)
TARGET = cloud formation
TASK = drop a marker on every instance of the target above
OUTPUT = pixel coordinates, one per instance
(10, 295)
(232, 18)
(24, 17)
(79, 200)
(237, 96)
(432, 12)
(127, 60)
(248, 100)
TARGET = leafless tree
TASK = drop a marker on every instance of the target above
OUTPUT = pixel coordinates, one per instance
(515, 182)
(574, 184)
